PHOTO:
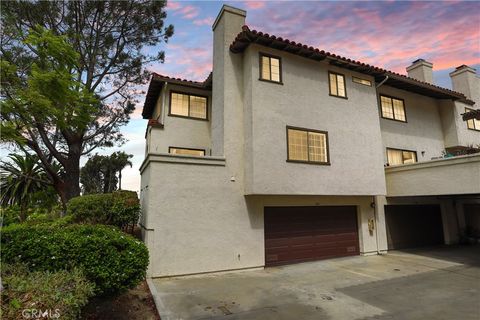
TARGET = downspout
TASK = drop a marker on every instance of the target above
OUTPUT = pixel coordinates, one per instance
(382, 82)
(375, 216)
(162, 122)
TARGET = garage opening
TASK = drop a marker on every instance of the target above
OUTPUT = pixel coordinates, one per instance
(472, 219)
(410, 226)
(299, 234)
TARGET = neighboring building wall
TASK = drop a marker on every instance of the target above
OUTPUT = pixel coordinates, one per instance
(304, 101)
(423, 130)
(177, 131)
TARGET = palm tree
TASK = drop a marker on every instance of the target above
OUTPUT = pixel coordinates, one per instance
(120, 161)
(20, 179)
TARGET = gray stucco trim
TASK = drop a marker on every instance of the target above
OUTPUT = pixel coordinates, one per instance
(182, 159)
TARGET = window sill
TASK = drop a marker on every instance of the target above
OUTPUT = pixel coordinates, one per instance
(310, 162)
(395, 120)
(477, 130)
(333, 95)
(185, 117)
(271, 81)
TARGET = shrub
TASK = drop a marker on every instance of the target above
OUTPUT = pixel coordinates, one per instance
(63, 293)
(111, 259)
(119, 208)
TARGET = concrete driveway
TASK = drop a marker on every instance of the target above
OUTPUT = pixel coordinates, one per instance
(438, 283)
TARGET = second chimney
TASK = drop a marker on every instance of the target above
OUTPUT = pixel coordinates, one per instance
(421, 70)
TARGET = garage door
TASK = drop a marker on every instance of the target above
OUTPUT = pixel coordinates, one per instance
(298, 234)
(410, 226)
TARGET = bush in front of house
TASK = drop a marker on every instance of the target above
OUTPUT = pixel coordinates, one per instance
(109, 258)
(119, 208)
(26, 293)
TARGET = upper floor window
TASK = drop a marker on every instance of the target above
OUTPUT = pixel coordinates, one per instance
(186, 105)
(337, 85)
(270, 68)
(472, 124)
(397, 156)
(362, 81)
(186, 151)
(306, 145)
(393, 108)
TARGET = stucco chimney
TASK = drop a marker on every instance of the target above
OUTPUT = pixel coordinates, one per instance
(227, 83)
(465, 80)
(421, 70)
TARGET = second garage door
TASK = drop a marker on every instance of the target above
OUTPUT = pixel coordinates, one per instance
(410, 226)
(298, 234)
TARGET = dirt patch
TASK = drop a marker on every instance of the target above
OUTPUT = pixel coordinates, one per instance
(134, 304)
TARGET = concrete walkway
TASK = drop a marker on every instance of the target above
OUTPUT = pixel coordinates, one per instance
(439, 283)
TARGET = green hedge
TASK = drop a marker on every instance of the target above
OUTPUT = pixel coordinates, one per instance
(27, 293)
(111, 259)
(119, 208)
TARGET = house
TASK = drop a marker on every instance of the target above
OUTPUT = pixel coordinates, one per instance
(287, 153)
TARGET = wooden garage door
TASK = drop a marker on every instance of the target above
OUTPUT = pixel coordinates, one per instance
(410, 226)
(298, 234)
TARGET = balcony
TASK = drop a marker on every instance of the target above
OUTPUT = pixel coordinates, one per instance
(450, 176)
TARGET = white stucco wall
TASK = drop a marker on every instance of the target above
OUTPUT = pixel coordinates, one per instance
(177, 131)
(304, 101)
(423, 130)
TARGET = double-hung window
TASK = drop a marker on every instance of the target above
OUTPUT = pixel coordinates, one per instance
(306, 145)
(270, 68)
(398, 156)
(337, 85)
(472, 124)
(187, 105)
(393, 108)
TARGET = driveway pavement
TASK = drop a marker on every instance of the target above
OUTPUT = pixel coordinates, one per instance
(437, 283)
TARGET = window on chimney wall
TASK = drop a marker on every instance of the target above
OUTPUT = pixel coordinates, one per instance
(270, 68)
(393, 108)
(472, 124)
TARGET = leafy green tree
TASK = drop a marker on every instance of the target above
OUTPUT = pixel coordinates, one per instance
(21, 181)
(68, 86)
(99, 174)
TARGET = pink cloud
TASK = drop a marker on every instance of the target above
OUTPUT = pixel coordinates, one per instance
(254, 4)
(173, 5)
(189, 12)
(204, 22)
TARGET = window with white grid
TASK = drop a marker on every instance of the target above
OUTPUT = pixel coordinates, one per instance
(307, 145)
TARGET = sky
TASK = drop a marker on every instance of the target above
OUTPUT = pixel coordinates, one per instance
(387, 34)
